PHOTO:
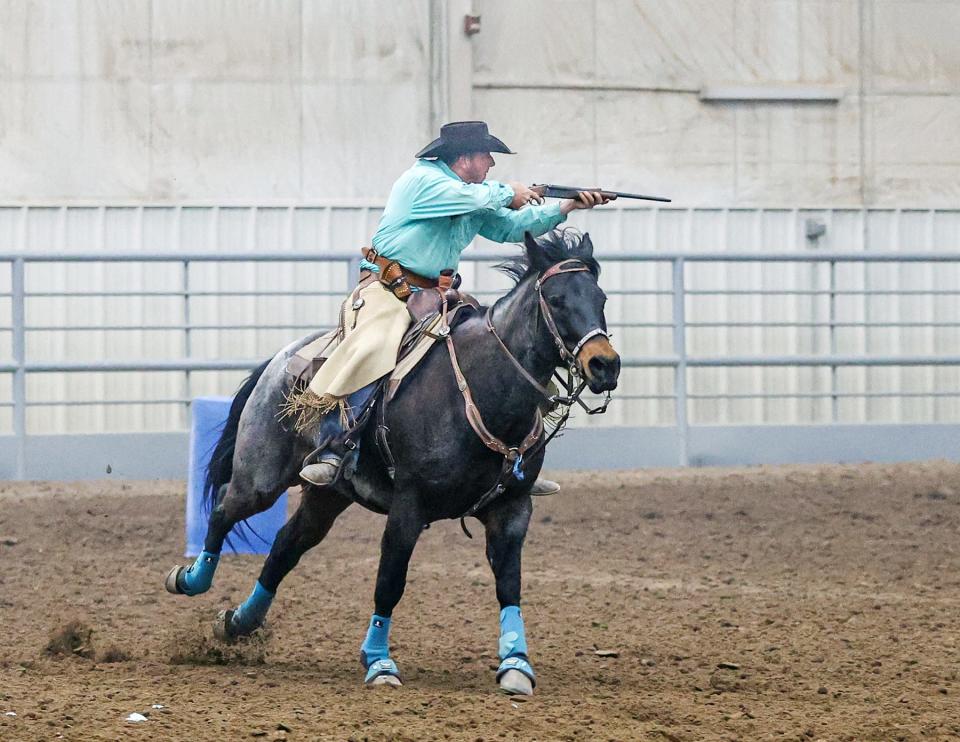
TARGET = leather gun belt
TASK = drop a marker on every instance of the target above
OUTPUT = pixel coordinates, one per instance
(394, 276)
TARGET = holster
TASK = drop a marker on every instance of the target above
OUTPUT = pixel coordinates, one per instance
(393, 278)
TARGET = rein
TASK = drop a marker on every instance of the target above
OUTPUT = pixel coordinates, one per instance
(514, 455)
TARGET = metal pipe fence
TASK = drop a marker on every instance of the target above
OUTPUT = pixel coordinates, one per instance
(681, 295)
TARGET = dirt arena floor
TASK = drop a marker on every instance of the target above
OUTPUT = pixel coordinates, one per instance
(773, 602)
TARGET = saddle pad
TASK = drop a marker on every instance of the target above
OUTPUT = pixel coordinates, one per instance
(414, 355)
(411, 356)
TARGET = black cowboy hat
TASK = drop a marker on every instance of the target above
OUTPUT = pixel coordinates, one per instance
(464, 136)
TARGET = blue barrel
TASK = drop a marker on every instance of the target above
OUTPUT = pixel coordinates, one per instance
(208, 415)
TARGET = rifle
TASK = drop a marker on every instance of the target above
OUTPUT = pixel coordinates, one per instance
(559, 191)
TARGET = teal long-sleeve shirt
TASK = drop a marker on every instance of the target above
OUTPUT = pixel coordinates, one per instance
(432, 215)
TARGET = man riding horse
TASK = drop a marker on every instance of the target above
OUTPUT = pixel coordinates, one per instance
(434, 211)
(481, 442)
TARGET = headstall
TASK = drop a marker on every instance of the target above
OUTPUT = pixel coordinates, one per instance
(573, 388)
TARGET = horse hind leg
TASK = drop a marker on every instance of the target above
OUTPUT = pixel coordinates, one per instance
(253, 458)
(307, 527)
(235, 502)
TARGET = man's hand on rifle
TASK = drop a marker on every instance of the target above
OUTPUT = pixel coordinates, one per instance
(585, 200)
(523, 195)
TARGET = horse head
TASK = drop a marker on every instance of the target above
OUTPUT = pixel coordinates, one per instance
(571, 304)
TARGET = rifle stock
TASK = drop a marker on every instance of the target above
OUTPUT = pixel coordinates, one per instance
(551, 190)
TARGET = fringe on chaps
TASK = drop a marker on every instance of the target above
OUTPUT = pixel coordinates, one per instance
(307, 409)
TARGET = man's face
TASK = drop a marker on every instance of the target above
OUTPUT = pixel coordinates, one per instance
(475, 167)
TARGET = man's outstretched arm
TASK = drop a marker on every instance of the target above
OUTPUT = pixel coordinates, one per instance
(508, 226)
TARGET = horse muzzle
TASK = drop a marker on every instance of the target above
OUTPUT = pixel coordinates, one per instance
(600, 364)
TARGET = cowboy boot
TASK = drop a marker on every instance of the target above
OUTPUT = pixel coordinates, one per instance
(544, 487)
(322, 472)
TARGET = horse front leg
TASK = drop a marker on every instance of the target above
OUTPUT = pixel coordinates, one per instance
(506, 524)
(404, 526)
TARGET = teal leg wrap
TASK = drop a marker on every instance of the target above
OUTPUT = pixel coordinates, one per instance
(250, 615)
(377, 644)
(513, 644)
(513, 638)
(375, 650)
(198, 578)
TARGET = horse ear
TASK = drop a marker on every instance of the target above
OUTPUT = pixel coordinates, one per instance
(535, 255)
(586, 245)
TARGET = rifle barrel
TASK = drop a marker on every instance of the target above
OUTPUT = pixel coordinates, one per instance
(560, 191)
(662, 199)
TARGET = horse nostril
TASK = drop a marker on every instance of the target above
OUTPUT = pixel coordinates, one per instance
(599, 365)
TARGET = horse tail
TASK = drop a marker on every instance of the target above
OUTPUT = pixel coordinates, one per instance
(220, 468)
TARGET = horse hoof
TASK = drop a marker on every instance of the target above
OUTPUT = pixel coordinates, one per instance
(391, 681)
(223, 627)
(515, 683)
(171, 582)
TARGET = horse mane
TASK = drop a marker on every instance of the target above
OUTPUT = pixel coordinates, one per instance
(555, 246)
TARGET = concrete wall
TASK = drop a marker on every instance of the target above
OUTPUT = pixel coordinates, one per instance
(613, 87)
(135, 100)
(307, 100)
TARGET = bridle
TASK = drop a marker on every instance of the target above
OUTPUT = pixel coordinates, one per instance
(574, 388)
(513, 456)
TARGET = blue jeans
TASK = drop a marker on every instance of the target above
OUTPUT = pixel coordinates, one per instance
(331, 426)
